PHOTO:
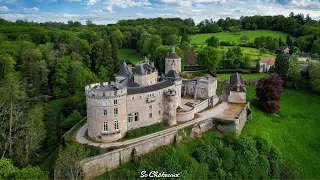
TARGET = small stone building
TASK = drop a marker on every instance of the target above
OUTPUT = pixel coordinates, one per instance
(266, 63)
(237, 89)
(173, 59)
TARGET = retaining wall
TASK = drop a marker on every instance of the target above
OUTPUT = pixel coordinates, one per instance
(201, 106)
(185, 116)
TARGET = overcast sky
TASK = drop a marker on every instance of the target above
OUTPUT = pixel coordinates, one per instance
(110, 11)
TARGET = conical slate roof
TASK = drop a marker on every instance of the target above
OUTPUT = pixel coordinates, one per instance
(124, 70)
(172, 74)
(129, 82)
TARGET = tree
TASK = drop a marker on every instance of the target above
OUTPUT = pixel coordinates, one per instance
(213, 41)
(8, 171)
(173, 39)
(67, 163)
(185, 37)
(258, 43)
(165, 33)
(209, 59)
(118, 36)
(230, 57)
(258, 66)
(269, 92)
(282, 65)
(60, 78)
(314, 74)
(6, 66)
(244, 38)
(185, 46)
(158, 57)
(273, 47)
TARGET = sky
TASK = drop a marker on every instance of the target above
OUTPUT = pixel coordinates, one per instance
(110, 11)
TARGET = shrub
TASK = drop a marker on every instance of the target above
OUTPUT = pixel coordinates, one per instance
(144, 130)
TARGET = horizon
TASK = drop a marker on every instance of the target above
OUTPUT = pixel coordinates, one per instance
(111, 11)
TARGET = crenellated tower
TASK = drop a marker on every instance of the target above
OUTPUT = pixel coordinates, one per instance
(170, 107)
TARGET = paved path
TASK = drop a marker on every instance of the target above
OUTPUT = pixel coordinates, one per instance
(213, 112)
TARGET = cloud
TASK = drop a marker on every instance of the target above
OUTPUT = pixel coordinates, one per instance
(33, 9)
(109, 9)
(3, 9)
(92, 2)
(72, 0)
(96, 11)
(139, 14)
(127, 3)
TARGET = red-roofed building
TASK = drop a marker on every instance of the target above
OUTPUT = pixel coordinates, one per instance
(266, 63)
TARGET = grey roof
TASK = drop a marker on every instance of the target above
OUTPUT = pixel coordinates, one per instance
(150, 88)
(124, 70)
(172, 74)
(144, 68)
(236, 83)
(129, 82)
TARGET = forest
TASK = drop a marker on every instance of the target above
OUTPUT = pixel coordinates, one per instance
(52, 61)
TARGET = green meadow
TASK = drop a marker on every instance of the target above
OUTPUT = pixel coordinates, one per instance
(132, 55)
(230, 37)
(294, 130)
(244, 76)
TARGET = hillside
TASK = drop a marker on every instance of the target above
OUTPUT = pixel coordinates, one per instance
(230, 37)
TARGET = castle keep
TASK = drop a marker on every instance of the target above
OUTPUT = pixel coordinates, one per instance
(139, 98)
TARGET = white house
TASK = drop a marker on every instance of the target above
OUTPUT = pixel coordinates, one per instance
(266, 63)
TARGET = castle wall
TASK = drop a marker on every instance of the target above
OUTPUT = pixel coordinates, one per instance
(237, 97)
(201, 106)
(176, 64)
(185, 116)
(101, 110)
(141, 103)
(146, 80)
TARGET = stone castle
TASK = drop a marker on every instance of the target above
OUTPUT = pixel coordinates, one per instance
(140, 97)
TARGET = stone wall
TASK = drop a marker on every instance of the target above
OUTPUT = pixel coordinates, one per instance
(201, 106)
(98, 165)
(242, 119)
(185, 116)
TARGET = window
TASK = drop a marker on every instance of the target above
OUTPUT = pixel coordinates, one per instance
(150, 115)
(140, 97)
(104, 103)
(132, 98)
(115, 111)
(136, 116)
(150, 107)
(105, 112)
(116, 124)
(130, 117)
(105, 126)
(159, 112)
(115, 101)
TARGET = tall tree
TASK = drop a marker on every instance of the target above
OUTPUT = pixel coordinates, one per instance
(60, 78)
(282, 64)
(209, 59)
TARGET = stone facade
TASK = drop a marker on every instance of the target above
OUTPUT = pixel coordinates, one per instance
(170, 116)
(173, 59)
(200, 88)
(106, 111)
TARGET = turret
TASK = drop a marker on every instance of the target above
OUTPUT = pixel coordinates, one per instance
(170, 107)
(106, 111)
(173, 59)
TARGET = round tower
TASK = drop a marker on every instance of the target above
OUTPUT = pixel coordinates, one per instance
(170, 108)
(173, 59)
(106, 111)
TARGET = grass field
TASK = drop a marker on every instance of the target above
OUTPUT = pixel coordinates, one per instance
(244, 76)
(230, 37)
(130, 55)
(252, 52)
(295, 130)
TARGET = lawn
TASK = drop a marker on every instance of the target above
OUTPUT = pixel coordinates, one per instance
(130, 55)
(244, 76)
(252, 52)
(295, 130)
(230, 37)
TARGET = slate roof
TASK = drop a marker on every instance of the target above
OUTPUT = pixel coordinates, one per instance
(129, 82)
(144, 68)
(302, 54)
(283, 47)
(172, 74)
(191, 59)
(150, 88)
(270, 61)
(124, 70)
(236, 83)
(173, 55)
